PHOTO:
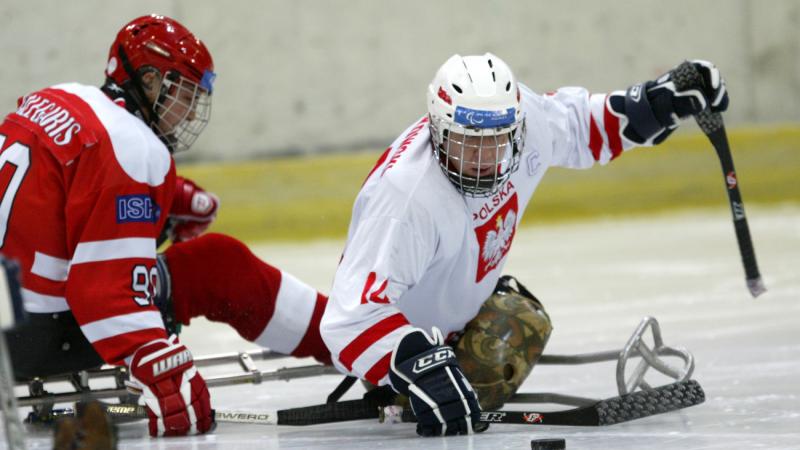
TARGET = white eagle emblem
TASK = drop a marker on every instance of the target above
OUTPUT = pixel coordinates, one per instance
(499, 239)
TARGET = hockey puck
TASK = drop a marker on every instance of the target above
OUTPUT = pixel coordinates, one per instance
(548, 444)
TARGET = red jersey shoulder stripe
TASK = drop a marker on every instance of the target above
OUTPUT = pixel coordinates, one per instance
(377, 164)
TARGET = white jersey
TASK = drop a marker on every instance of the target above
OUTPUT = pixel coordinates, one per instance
(421, 254)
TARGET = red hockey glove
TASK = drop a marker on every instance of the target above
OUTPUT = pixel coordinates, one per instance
(192, 211)
(176, 396)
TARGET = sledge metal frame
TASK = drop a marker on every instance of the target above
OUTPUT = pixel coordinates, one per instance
(15, 435)
(12, 305)
(40, 398)
(636, 347)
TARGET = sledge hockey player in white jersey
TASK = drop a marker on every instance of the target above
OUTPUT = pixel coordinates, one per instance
(435, 219)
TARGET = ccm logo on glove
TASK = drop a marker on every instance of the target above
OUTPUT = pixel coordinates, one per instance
(433, 360)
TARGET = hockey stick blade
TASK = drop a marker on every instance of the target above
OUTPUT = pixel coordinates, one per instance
(636, 405)
(686, 76)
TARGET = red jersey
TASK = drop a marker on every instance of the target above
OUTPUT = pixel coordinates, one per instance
(85, 188)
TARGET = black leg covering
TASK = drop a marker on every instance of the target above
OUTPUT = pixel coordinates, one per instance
(49, 344)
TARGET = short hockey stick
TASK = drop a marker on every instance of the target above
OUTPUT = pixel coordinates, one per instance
(685, 76)
(610, 411)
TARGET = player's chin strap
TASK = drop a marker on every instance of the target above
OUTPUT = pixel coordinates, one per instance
(137, 94)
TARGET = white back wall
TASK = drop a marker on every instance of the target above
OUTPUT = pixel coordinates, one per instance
(312, 76)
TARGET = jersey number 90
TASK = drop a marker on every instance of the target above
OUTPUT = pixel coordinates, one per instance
(144, 282)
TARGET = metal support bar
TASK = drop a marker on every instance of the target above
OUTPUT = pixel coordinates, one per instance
(15, 435)
(636, 347)
(222, 380)
(582, 358)
(201, 361)
(651, 358)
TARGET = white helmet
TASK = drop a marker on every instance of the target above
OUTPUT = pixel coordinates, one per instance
(474, 110)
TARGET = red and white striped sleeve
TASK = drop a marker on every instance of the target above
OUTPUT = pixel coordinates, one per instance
(362, 322)
(112, 275)
(117, 198)
(586, 129)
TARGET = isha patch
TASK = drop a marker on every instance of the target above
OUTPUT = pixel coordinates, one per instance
(137, 208)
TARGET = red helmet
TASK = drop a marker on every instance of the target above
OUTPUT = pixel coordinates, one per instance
(184, 64)
(164, 44)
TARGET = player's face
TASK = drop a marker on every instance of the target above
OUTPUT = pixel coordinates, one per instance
(179, 105)
(182, 108)
(476, 155)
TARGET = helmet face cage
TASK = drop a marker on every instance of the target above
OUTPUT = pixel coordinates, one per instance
(183, 110)
(491, 154)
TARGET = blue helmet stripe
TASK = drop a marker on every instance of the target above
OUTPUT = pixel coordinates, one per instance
(484, 119)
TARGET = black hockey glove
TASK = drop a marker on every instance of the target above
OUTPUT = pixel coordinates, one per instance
(669, 102)
(426, 370)
(654, 108)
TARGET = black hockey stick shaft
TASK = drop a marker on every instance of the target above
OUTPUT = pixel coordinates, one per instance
(686, 75)
(719, 139)
(614, 410)
(636, 405)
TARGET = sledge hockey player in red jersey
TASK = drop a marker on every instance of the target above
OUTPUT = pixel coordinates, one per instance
(435, 219)
(87, 188)
(87, 192)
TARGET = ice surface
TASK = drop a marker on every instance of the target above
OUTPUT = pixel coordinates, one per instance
(597, 280)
